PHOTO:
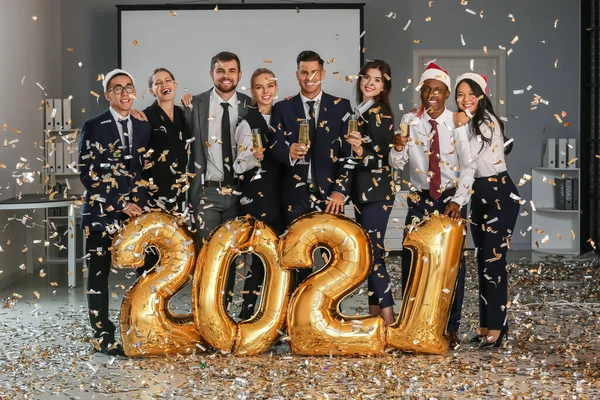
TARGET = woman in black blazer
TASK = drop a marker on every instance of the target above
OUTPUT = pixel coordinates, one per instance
(167, 144)
(372, 186)
(259, 174)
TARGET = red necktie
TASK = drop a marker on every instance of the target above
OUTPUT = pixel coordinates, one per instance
(434, 162)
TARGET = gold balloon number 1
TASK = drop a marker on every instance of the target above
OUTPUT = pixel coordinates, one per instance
(315, 323)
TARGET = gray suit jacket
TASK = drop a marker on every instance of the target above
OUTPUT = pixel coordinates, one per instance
(197, 120)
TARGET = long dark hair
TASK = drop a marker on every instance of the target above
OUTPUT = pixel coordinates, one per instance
(482, 115)
(386, 73)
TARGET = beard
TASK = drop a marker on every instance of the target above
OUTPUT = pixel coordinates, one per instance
(226, 89)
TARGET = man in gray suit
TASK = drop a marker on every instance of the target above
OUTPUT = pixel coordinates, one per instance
(210, 114)
(212, 117)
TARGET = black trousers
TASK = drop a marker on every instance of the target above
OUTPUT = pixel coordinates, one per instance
(373, 217)
(419, 210)
(494, 221)
(99, 265)
(255, 277)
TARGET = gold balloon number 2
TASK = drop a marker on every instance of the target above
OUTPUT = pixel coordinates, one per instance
(315, 323)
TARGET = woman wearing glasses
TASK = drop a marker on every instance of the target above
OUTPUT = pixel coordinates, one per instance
(372, 184)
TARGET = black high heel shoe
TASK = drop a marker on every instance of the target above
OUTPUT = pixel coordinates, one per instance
(497, 343)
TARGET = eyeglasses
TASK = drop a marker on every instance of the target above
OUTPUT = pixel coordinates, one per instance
(119, 89)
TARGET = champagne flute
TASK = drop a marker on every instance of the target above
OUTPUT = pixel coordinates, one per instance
(256, 139)
(353, 123)
(303, 136)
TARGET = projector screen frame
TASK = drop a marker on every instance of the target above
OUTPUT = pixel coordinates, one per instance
(254, 6)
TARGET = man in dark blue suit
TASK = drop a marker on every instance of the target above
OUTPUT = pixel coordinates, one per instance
(314, 178)
(110, 168)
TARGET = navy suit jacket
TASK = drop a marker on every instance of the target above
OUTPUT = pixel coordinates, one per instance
(110, 179)
(329, 150)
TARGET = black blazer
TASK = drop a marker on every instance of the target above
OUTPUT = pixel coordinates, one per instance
(167, 172)
(329, 150)
(371, 176)
(109, 178)
(261, 198)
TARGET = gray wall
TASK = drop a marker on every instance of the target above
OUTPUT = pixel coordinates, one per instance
(30, 48)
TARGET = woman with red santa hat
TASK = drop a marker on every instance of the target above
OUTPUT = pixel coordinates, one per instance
(494, 205)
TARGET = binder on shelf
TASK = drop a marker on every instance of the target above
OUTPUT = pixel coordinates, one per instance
(58, 118)
(59, 156)
(562, 153)
(50, 111)
(575, 194)
(568, 194)
(559, 193)
(571, 152)
(66, 108)
(550, 154)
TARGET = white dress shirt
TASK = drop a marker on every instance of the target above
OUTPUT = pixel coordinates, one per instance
(118, 117)
(455, 154)
(489, 160)
(214, 164)
(316, 108)
(245, 159)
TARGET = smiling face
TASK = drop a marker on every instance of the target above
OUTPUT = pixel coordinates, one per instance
(465, 98)
(309, 75)
(433, 97)
(226, 75)
(264, 88)
(371, 84)
(163, 86)
(121, 103)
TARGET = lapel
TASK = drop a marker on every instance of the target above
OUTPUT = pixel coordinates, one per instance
(203, 110)
(140, 136)
(112, 127)
(299, 112)
(324, 107)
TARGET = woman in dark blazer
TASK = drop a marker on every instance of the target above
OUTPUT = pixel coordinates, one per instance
(372, 186)
(167, 162)
(259, 174)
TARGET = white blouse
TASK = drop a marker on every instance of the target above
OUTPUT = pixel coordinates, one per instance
(489, 160)
(245, 160)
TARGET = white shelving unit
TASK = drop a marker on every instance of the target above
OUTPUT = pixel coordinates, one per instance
(395, 229)
(553, 229)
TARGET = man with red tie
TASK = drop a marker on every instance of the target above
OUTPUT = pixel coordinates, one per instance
(439, 163)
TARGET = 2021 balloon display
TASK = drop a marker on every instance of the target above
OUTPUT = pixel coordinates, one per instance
(314, 321)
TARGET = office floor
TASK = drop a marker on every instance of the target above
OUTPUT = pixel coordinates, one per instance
(553, 349)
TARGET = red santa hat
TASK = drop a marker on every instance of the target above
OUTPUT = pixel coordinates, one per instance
(481, 80)
(434, 71)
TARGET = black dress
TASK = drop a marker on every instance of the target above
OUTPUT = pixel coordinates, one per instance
(169, 157)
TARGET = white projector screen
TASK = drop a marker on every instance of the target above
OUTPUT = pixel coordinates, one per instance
(262, 38)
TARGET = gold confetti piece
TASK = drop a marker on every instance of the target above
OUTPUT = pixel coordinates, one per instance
(558, 235)
(40, 259)
(572, 233)
(391, 15)
(555, 23)
(93, 94)
(560, 121)
(427, 19)
(34, 17)
(515, 40)
(462, 40)
(268, 61)
(556, 63)
(53, 284)
(173, 13)
(70, 50)
(331, 61)
(3, 166)
(135, 42)
(512, 18)
(572, 161)
(36, 294)
(417, 41)
(217, 9)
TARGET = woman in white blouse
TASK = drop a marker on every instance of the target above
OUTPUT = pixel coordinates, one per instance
(494, 210)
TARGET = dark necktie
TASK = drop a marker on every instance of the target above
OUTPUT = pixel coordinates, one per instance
(123, 123)
(227, 151)
(434, 162)
(312, 131)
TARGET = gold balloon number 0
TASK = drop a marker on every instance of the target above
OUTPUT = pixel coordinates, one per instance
(315, 323)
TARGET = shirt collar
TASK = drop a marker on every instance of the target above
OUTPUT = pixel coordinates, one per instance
(439, 119)
(362, 107)
(317, 98)
(233, 101)
(118, 117)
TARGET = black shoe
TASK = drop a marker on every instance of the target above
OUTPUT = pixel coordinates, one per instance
(485, 344)
(453, 339)
(111, 349)
(476, 339)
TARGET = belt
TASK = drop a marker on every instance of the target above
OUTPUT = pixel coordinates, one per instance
(445, 193)
(215, 184)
